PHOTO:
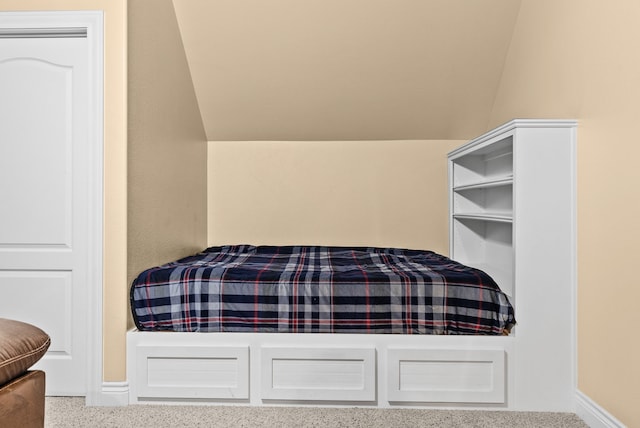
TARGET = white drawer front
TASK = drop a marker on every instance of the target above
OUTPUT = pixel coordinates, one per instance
(310, 374)
(193, 372)
(446, 376)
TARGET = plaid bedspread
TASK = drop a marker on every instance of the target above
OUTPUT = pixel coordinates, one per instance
(312, 289)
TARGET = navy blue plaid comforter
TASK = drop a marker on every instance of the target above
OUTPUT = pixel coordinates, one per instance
(312, 289)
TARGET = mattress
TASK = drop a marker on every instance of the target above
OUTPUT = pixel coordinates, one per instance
(319, 289)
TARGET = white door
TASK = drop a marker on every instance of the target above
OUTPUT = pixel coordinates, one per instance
(44, 194)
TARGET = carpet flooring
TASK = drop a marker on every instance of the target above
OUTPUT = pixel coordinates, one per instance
(71, 412)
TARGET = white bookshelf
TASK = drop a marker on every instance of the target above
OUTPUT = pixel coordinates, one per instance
(512, 214)
(481, 177)
(523, 163)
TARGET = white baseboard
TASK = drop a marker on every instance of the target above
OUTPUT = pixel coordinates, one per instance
(117, 394)
(112, 394)
(594, 415)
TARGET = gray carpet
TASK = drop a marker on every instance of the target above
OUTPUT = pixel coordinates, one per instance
(71, 412)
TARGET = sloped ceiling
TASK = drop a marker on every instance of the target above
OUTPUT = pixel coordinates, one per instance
(345, 69)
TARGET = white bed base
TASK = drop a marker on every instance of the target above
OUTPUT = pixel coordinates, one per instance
(346, 370)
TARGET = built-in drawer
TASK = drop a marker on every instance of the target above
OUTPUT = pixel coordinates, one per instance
(446, 376)
(318, 374)
(200, 372)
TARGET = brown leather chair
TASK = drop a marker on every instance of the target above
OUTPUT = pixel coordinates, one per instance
(21, 391)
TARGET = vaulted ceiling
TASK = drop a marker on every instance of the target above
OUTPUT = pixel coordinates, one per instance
(345, 69)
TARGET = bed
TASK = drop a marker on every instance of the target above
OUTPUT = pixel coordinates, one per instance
(382, 327)
(314, 289)
(243, 324)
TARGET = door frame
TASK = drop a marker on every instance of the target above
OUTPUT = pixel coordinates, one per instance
(93, 22)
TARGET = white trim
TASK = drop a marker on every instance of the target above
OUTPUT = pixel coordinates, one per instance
(114, 394)
(594, 415)
(574, 254)
(95, 30)
(507, 127)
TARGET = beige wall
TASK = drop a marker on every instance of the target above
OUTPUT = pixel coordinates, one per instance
(115, 169)
(579, 59)
(378, 193)
(345, 69)
(167, 147)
